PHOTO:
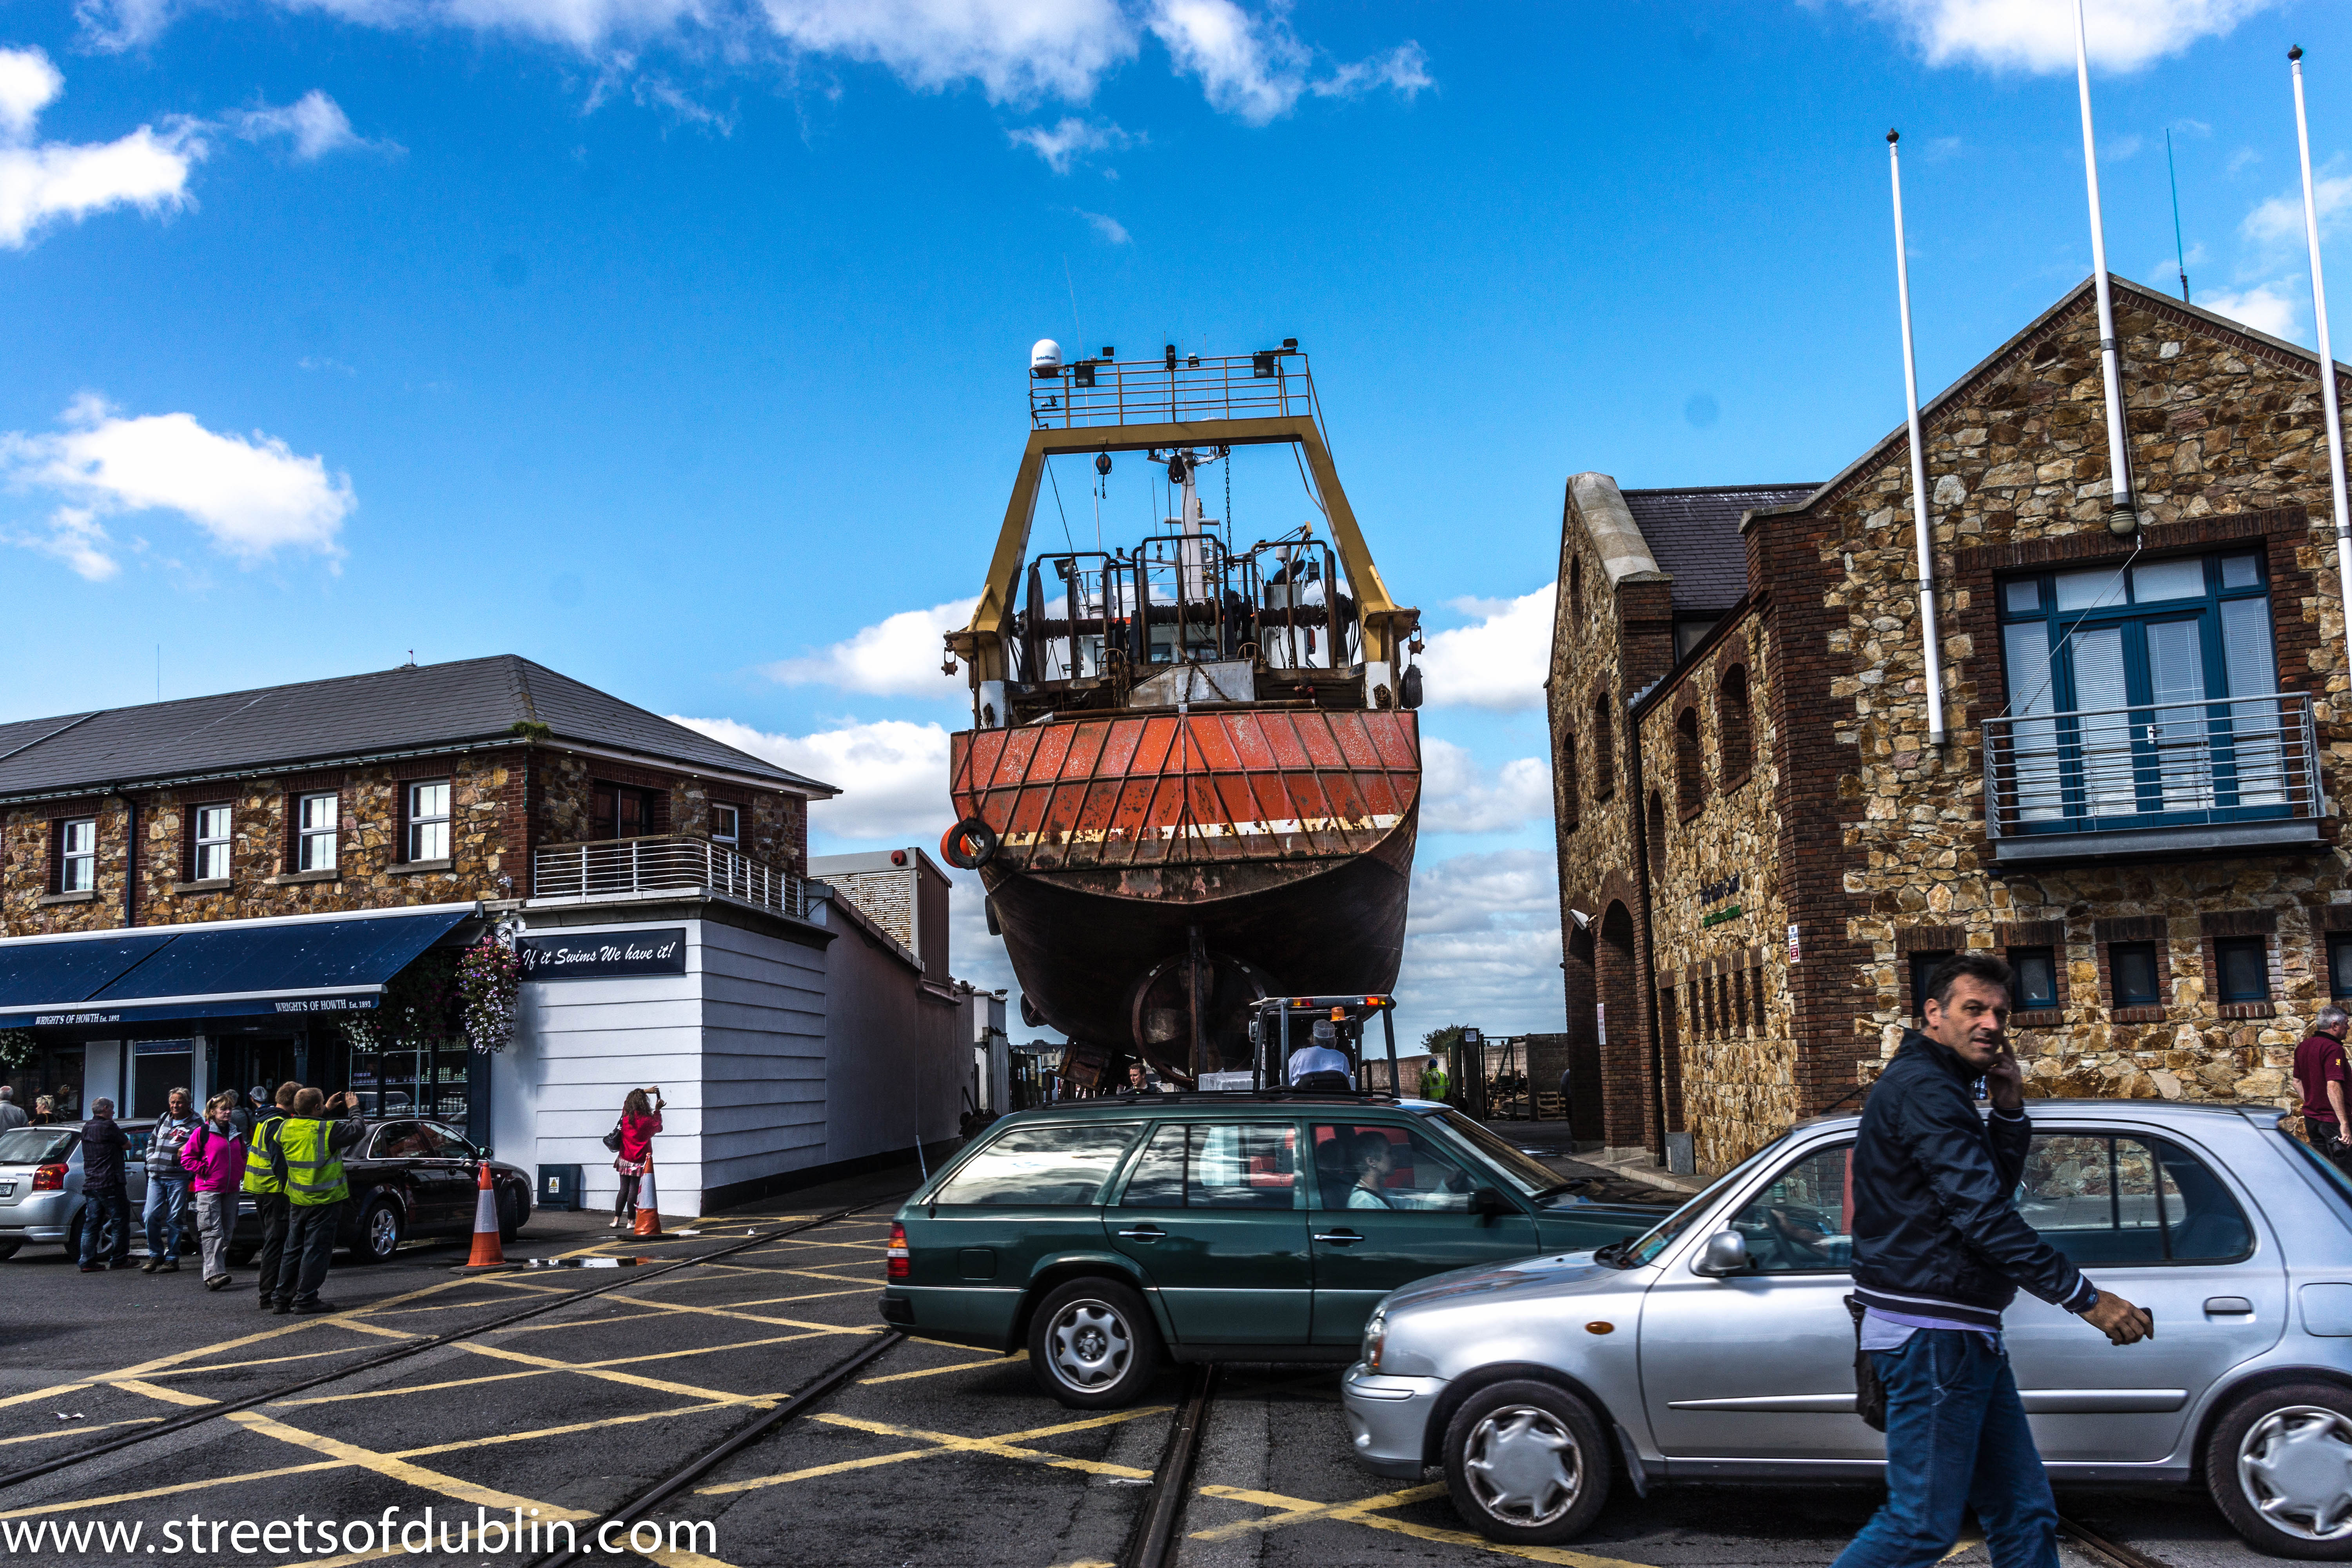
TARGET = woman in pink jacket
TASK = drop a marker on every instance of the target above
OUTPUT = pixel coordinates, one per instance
(215, 1155)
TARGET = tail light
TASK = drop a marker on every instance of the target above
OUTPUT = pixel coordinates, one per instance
(900, 1267)
(49, 1178)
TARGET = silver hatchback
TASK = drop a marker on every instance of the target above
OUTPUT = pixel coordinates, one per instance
(1718, 1346)
(40, 1184)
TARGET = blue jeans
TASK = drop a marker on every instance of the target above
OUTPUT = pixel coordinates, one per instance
(1956, 1440)
(166, 1219)
(98, 1209)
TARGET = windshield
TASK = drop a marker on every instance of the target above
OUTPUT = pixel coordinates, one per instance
(1634, 1254)
(34, 1145)
(2332, 1175)
(1522, 1171)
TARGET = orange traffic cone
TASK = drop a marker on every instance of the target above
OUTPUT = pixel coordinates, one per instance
(487, 1253)
(648, 1206)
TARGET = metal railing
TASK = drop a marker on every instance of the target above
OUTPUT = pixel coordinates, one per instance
(2196, 763)
(663, 864)
(1174, 389)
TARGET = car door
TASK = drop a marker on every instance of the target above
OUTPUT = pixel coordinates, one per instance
(2154, 1221)
(445, 1177)
(1759, 1365)
(1392, 1207)
(1215, 1216)
(392, 1158)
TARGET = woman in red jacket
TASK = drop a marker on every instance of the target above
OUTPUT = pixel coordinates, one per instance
(640, 1120)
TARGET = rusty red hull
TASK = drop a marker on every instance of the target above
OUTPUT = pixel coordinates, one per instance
(1277, 841)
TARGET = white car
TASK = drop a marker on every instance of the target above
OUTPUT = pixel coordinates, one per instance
(1719, 1347)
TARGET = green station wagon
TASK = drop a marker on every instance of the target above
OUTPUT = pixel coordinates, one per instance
(1108, 1235)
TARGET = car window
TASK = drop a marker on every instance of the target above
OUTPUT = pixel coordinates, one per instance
(34, 1145)
(1379, 1165)
(1515, 1167)
(1661, 1236)
(1047, 1166)
(1802, 1222)
(1218, 1165)
(454, 1145)
(2331, 1175)
(2107, 1200)
(398, 1141)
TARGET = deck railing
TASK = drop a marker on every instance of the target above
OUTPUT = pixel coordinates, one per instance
(2195, 764)
(664, 865)
(1180, 389)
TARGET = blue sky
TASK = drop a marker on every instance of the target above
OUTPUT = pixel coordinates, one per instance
(678, 343)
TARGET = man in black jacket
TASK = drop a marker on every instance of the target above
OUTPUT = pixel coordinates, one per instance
(104, 1190)
(1938, 1250)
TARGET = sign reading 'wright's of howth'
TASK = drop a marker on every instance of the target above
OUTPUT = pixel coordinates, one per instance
(604, 955)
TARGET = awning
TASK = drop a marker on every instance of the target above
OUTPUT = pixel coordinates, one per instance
(234, 969)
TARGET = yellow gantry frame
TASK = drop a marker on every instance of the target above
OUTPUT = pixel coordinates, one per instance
(981, 644)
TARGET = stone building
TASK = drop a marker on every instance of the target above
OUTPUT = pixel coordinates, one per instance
(1761, 854)
(246, 888)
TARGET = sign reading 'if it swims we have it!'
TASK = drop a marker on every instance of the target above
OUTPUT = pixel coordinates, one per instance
(604, 955)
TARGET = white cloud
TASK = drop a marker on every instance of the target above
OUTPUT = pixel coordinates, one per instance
(2277, 222)
(1482, 945)
(1017, 50)
(1254, 67)
(253, 496)
(2266, 308)
(1499, 661)
(1457, 796)
(898, 656)
(1404, 69)
(75, 537)
(314, 126)
(2038, 35)
(892, 775)
(44, 182)
(1112, 231)
(1063, 143)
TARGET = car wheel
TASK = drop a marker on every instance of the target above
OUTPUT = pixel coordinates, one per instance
(1526, 1464)
(1092, 1344)
(380, 1232)
(510, 1220)
(2279, 1465)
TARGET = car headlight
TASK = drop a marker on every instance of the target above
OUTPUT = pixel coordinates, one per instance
(1375, 1335)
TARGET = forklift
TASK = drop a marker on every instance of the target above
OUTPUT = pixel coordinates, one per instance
(1280, 1024)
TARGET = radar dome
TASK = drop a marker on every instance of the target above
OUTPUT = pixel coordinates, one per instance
(1044, 358)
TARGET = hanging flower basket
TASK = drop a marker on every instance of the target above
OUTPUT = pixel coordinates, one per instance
(489, 978)
(15, 1048)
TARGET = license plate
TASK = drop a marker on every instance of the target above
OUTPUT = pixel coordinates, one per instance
(7, 1189)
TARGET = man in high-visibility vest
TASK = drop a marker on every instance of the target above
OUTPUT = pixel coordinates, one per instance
(268, 1193)
(308, 1160)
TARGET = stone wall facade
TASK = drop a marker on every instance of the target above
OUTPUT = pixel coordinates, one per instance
(1858, 844)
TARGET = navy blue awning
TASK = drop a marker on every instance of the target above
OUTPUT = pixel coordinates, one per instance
(289, 968)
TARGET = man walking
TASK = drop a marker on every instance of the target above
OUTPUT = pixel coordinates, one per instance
(104, 1189)
(263, 1185)
(166, 1213)
(1939, 1249)
(309, 1161)
(2320, 1072)
(12, 1115)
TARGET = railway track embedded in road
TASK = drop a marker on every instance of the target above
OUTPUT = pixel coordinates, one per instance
(1153, 1544)
(2113, 1555)
(628, 1278)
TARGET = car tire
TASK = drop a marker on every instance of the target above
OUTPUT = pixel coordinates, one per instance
(2277, 1466)
(510, 1226)
(1092, 1344)
(1526, 1464)
(380, 1232)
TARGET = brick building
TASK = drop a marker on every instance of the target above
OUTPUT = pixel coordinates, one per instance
(232, 889)
(2138, 801)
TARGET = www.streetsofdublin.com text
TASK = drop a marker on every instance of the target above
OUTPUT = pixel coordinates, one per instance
(520, 1533)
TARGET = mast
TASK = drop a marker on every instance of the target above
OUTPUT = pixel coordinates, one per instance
(2326, 356)
(1922, 532)
(2123, 516)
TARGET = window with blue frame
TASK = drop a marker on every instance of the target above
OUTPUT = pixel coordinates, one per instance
(2143, 693)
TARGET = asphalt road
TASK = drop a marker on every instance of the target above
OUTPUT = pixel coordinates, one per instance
(932, 1455)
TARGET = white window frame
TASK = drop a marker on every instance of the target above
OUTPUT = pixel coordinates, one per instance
(733, 838)
(428, 832)
(214, 828)
(315, 842)
(78, 855)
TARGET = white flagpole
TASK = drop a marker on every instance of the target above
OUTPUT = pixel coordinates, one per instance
(1922, 532)
(2326, 357)
(2123, 518)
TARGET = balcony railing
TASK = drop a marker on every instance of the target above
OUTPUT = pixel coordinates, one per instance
(2213, 774)
(664, 865)
(1177, 389)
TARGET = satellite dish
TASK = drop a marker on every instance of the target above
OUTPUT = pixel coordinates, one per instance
(1045, 359)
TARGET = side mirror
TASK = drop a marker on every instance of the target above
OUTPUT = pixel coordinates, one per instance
(1726, 1252)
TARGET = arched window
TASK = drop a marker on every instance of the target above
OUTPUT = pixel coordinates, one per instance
(1657, 836)
(1576, 596)
(1735, 725)
(1565, 772)
(1604, 749)
(1690, 778)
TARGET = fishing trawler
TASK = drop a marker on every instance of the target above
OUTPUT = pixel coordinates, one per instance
(1193, 774)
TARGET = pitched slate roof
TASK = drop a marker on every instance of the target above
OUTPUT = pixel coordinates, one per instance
(385, 712)
(1695, 535)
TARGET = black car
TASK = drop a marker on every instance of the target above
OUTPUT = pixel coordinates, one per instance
(408, 1180)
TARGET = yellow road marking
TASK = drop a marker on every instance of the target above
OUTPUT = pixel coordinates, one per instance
(176, 1487)
(541, 1369)
(401, 1470)
(935, 1371)
(389, 1333)
(153, 1391)
(757, 1317)
(764, 1402)
(1297, 1510)
(68, 1431)
(949, 1443)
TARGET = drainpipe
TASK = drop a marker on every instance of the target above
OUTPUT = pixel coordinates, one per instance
(129, 859)
(1923, 534)
(2123, 516)
(2326, 358)
(1646, 964)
